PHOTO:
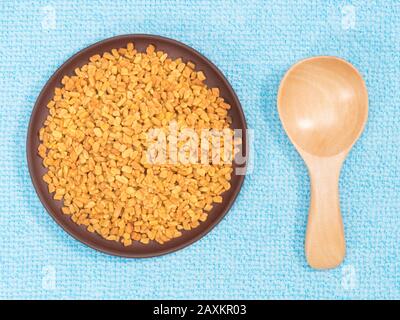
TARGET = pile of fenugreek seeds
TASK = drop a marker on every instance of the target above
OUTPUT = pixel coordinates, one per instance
(94, 144)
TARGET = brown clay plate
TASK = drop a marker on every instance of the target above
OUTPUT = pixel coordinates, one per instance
(174, 49)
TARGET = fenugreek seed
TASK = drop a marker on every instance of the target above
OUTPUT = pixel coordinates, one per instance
(127, 242)
(90, 205)
(127, 153)
(115, 171)
(97, 132)
(201, 76)
(94, 145)
(130, 190)
(57, 134)
(163, 174)
(126, 169)
(122, 179)
(66, 210)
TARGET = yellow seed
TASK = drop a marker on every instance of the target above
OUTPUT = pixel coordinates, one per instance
(90, 205)
(201, 76)
(97, 132)
(130, 190)
(127, 242)
(163, 174)
(122, 179)
(127, 153)
(57, 134)
(97, 170)
(126, 169)
(115, 171)
(95, 146)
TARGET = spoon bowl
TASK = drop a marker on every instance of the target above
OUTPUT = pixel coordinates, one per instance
(323, 106)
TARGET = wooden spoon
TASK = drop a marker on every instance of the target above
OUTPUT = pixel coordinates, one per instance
(323, 106)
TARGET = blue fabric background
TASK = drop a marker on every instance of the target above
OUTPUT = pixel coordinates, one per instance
(257, 250)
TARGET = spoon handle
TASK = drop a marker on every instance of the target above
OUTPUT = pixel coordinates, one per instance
(325, 243)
